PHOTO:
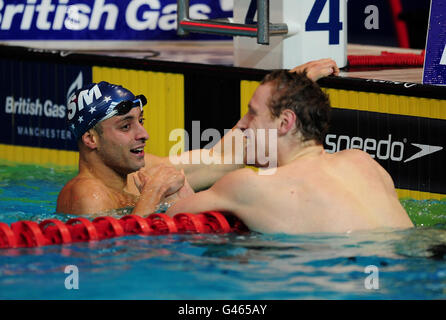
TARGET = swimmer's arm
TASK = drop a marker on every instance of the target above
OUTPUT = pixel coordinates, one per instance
(201, 175)
(229, 194)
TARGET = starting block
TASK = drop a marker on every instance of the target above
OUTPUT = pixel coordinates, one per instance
(316, 29)
(288, 32)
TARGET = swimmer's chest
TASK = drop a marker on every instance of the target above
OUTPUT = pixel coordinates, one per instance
(124, 199)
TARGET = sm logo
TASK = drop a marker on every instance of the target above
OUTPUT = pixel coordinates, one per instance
(85, 98)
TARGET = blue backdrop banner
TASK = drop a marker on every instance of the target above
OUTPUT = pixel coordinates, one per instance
(33, 99)
(435, 63)
(102, 19)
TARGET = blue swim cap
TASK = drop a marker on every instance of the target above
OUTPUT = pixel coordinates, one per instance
(98, 102)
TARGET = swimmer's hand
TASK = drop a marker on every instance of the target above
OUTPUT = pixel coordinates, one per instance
(318, 69)
(162, 178)
(155, 185)
(184, 192)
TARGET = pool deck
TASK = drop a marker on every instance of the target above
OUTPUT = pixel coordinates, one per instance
(221, 53)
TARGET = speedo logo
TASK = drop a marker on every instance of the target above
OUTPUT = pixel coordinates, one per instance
(380, 149)
(139, 15)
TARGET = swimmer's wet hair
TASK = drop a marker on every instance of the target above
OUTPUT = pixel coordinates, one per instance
(295, 91)
(97, 127)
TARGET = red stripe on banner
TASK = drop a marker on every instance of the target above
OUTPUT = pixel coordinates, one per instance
(400, 26)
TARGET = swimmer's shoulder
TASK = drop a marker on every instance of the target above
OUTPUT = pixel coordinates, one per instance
(241, 175)
(356, 156)
(238, 183)
(83, 195)
(363, 159)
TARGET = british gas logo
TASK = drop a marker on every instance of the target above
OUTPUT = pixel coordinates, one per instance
(38, 107)
(99, 15)
(386, 149)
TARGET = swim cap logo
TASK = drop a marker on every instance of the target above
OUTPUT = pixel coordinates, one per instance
(72, 99)
(85, 96)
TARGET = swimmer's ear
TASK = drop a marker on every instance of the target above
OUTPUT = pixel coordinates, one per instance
(89, 139)
(287, 120)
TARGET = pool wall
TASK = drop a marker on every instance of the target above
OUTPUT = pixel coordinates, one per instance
(402, 125)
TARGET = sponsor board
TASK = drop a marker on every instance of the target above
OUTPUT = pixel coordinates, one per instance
(102, 19)
(33, 108)
(410, 148)
(435, 61)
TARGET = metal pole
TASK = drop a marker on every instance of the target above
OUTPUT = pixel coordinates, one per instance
(263, 21)
(182, 14)
(262, 31)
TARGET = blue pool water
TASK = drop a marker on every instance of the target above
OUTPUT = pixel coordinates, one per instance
(410, 263)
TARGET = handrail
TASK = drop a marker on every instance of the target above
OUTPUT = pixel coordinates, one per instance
(262, 30)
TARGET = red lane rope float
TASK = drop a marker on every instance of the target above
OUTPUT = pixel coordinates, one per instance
(162, 224)
(82, 229)
(189, 222)
(134, 224)
(53, 231)
(108, 227)
(7, 236)
(29, 233)
(215, 222)
(388, 59)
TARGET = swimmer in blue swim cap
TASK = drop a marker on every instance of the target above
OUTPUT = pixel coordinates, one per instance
(107, 121)
(98, 102)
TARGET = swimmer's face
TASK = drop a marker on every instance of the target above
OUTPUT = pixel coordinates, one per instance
(259, 126)
(121, 144)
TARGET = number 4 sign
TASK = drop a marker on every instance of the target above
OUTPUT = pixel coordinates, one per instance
(333, 26)
(316, 29)
(435, 61)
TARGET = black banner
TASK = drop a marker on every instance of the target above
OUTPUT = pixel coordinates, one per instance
(411, 149)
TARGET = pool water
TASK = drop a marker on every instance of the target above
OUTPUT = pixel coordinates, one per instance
(407, 264)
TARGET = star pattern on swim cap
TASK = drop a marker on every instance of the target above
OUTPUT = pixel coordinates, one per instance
(92, 109)
(107, 98)
(80, 119)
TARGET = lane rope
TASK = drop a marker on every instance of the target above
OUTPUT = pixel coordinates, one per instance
(26, 234)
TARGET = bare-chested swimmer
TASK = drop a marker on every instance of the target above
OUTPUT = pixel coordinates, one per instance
(107, 120)
(202, 176)
(311, 190)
